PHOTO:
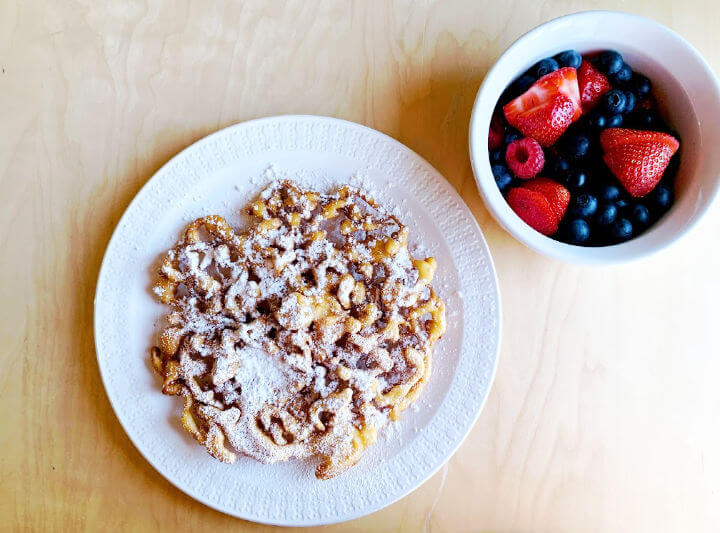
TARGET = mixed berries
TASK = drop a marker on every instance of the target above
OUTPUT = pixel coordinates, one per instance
(579, 151)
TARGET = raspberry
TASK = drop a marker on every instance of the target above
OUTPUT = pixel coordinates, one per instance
(525, 158)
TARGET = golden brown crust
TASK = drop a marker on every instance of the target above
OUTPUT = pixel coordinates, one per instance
(324, 297)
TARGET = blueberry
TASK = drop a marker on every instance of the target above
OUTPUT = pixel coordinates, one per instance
(512, 135)
(583, 205)
(544, 66)
(503, 178)
(522, 84)
(621, 204)
(504, 182)
(629, 101)
(621, 230)
(597, 121)
(640, 215)
(577, 231)
(622, 76)
(569, 58)
(499, 170)
(641, 85)
(609, 62)
(560, 168)
(579, 145)
(507, 95)
(661, 198)
(614, 101)
(497, 156)
(645, 119)
(516, 88)
(575, 180)
(606, 214)
(615, 121)
(610, 193)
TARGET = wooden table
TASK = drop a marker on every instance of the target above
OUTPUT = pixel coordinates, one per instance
(604, 413)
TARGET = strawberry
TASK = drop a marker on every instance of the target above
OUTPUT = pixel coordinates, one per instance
(637, 158)
(547, 122)
(547, 108)
(541, 203)
(592, 85)
(533, 209)
(496, 133)
(557, 195)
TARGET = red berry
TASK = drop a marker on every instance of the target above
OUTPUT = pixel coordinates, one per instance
(592, 85)
(533, 209)
(547, 108)
(541, 203)
(547, 123)
(648, 104)
(557, 196)
(637, 158)
(496, 133)
(525, 158)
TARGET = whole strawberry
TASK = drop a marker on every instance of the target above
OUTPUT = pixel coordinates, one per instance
(541, 203)
(637, 158)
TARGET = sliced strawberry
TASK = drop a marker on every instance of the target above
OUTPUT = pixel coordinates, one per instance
(546, 123)
(592, 85)
(637, 158)
(547, 108)
(541, 203)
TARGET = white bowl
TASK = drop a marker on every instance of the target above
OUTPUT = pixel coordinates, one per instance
(689, 97)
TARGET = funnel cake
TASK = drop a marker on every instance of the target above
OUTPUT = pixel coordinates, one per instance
(302, 337)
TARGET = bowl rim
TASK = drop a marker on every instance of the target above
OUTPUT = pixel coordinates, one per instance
(507, 219)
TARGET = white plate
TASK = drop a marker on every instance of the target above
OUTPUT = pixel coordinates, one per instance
(219, 174)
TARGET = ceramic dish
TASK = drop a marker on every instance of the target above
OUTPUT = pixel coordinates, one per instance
(220, 174)
(689, 98)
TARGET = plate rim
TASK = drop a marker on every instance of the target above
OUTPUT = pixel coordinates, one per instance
(496, 294)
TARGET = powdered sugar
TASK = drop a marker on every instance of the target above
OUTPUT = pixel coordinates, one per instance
(262, 377)
(297, 323)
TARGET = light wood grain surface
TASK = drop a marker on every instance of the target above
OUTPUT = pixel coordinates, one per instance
(604, 412)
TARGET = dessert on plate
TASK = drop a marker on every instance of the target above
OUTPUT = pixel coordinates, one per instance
(303, 336)
(580, 152)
